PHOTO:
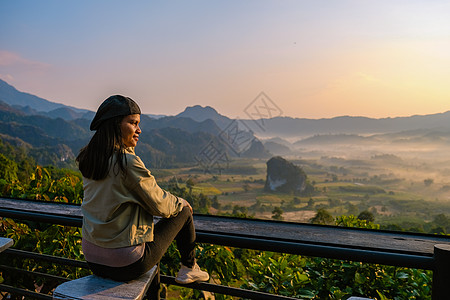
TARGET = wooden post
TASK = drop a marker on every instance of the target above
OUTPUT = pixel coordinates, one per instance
(441, 272)
(153, 291)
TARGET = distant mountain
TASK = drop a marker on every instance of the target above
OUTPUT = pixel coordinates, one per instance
(13, 97)
(234, 132)
(7, 108)
(169, 146)
(256, 150)
(167, 142)
(53, 129)
(67, 113)
(153, 116)
(287, 127)
(47, 140)
(64, 112)
(277, 148)
(333, 139)
(405, 138)
(187, 124)
(200, 114)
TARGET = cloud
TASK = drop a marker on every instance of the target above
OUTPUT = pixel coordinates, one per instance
(7, 77)
(11, 59)
(366, 77)
(18, 70)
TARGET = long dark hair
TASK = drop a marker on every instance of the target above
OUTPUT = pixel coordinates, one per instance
(94, 160)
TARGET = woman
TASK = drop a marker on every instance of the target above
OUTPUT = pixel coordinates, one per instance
(121, 197)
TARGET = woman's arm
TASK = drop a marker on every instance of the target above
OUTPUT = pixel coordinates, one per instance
(154, 199)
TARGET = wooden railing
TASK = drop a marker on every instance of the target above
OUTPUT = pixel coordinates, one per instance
(422, 251)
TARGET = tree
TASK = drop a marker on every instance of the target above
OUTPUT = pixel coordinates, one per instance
(203, 203)
(366, 215)
(277, 213)
(441, 220)
(428, 181)
(352, 209)
(323, 217)
(173, 183)
(8, 169)
(215, 202)
(240, 211)
(190, 184)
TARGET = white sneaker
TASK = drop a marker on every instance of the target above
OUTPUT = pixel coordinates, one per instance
(189, 275)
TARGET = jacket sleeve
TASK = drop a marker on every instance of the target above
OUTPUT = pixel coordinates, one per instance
(154, 199)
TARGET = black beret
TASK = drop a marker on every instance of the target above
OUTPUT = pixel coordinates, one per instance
(114, 106)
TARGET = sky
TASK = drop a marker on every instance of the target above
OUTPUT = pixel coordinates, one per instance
(312, 59)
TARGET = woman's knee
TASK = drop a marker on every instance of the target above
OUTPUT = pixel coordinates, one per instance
(185, 213)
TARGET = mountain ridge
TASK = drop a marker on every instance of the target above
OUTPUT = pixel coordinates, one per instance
(282, 126)
(12, 96)
(163, 143)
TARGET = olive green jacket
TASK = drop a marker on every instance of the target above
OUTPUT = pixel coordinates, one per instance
(118, 210)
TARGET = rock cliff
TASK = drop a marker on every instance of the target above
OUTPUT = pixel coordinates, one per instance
(284, 176)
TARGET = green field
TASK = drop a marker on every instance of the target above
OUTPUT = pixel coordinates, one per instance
(407, 191)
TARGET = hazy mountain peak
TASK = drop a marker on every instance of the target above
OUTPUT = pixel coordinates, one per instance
(200, 113)
(14, 97)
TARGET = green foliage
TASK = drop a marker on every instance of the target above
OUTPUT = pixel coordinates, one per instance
(18, 155)
(190, 184)
(352, 221)
(309, 189)
(366, 215)
(363, 189)
(221, 262)
(8, 169)
(319, 278)
(335, 279)
(278, 274)
(53, 240)
(48, 184)
(277, 213)
(200, 202)
(43, 186)
(170, 262)
(322, 217)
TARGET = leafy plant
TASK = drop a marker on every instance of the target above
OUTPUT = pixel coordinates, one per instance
(279, 274)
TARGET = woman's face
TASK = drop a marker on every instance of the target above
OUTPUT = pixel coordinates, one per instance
(130, 130)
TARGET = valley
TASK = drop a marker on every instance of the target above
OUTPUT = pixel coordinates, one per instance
(406, 186)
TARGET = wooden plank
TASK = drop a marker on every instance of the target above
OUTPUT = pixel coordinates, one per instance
(97, 288)
(5, 243)
(42, 206)
(354, 238)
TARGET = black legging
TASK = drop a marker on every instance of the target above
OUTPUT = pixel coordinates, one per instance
(180, 228)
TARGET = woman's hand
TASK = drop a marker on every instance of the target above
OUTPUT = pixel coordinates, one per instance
(185, 203)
